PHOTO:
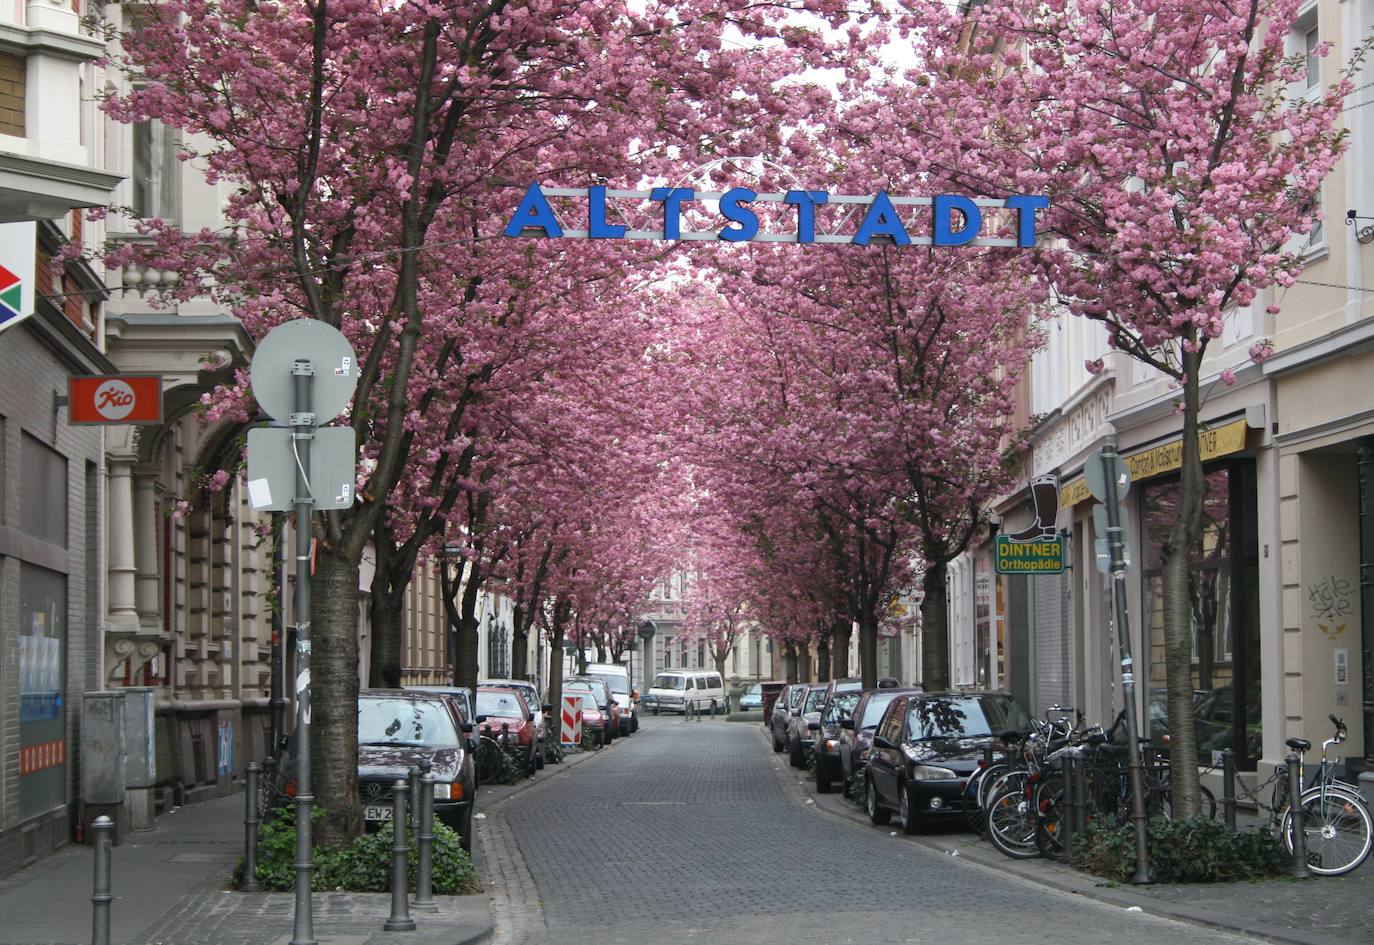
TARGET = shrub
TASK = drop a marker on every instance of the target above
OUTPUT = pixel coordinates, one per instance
(362, 866)
(854, 789)
(553, 751)
(1196, 850)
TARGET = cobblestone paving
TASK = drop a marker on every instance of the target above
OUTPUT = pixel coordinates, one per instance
(685, 834)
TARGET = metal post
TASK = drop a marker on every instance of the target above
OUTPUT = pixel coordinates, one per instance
(424, 838)
(250, 831)
(415, 793)
(1080, 796)
(1228, 787)
(399, 920)
(277, 702)
(1297, 827)
(1111, 464)
(987, 756)
(100, 892)
(302, 432)
(1069, 802)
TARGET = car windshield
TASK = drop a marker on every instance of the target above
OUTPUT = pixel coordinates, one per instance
(413, 722)
(813, 700)
(874, 708)
(843, 706)
(619, 684)
(588, 701)
(943, 718)
(794, 696)
(754, 690)
(668, 682)
(503, 704)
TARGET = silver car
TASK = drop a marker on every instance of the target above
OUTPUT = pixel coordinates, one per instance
(782, 708)
(801, 738)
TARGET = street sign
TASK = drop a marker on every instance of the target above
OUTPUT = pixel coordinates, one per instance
(18, 267)
(1045, 556)
(120, 398)
(1103, 467)
(328, 351)
(272, 469)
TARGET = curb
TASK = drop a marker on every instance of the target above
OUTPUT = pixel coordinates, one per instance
(1065, 880)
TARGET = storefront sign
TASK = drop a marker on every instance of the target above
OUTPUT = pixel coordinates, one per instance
(18, 248)
(122, 398)
(883, 216)
(1156, 461)
(1044, 556)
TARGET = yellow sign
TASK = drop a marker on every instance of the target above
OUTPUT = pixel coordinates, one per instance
(1045, 556)
(1158, 460)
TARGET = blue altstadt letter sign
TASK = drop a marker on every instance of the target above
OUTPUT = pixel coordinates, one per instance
(955, 219)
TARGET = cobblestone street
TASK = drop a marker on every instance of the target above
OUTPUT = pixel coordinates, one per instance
(691, 833)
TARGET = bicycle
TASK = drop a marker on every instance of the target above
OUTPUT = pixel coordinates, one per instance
(1336, 820)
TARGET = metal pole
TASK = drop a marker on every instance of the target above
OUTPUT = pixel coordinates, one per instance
(100, 892)
(1080, 796)
(399, 920)
(424, 837)
(1069, 802)
(415, 793)
(1111, 464)
(250, 831)
(1297, 827)
(277, 702)
(302, 432)
(1228, 787)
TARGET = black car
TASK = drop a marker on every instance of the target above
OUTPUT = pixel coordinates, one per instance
(836, 707)
(925, 748)
(782, 710)
(856, 732)
(397, 729)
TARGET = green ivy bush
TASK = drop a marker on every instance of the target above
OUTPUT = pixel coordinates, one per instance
(553, 751)
(362, 866)
(854, 789)
(1196, 850)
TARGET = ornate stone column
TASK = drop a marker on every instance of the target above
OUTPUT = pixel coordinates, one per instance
(123, 610)
(146, 527)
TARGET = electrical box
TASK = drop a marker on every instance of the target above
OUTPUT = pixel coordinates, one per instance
(140, 762)
(103, 754)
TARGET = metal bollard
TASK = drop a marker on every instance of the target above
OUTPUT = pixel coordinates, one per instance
(1068, 802)
(1297, 828)
(100, 892)
(399, 920)
(424, 839)
(1228, 787)
(987, 756)
(250, 831)
(414, 774)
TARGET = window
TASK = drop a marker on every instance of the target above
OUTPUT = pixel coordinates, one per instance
(1310, 41)
(43, 490)
(154, 177)
(42, 637)
(701, 653)
(734, 661)
(668, 655)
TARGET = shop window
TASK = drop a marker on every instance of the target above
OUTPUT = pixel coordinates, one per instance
(43, 488)
(42, 680)
(1223, 597)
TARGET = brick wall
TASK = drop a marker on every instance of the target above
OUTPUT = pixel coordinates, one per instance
(11, 95)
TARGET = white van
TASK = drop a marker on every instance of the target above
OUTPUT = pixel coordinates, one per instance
(677, 690)
(618, 678)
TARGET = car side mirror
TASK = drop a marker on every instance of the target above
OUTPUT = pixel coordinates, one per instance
(881, 742)
(814, 726)
(847, 724)
(548, 707)
(480, 719)
(468, 728)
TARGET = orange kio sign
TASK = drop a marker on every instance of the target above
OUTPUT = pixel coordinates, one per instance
(121, 398)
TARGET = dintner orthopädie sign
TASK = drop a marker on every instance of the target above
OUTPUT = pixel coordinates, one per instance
(856, 219)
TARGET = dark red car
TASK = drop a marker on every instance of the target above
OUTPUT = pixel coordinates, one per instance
(504, 715)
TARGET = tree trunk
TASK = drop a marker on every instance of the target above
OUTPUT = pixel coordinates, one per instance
(804, 661)
(554, 695)
(840, 633)
(1178, 610)
(600, 651)
(720, 664)
(789, 661)
(334, 699)
(582, 661)
(519, 650)
(868, 648)
(823, 658)
(466, 665)
(935, 674)
(384, 665)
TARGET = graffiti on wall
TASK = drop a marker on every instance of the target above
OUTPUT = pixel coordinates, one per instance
(1332, 600)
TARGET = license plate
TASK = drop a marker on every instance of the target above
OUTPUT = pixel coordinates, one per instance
(378, 812)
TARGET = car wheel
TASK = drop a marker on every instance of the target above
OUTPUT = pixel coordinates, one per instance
(465, 831)
(876, 812)
(797, 759)
(823, 783)
(634, 725)
(655, 710)
(910, 823)
(778, 746)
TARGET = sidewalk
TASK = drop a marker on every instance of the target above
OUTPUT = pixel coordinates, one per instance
(1319, 911)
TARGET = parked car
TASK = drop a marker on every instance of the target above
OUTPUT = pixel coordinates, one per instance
(837, 704)
(618, 678)
(856, 733)
(752, 700)
(677, 690)
(801, 737)
(397, 729)
(925, 748)
(543, 714)
(504, 714)
(782, 711)
(593, 719)
(605, 700)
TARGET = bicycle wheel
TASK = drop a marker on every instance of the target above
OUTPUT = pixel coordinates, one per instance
(1338, 829)
(1011, 817)
(1050, 812)
(488, 760)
